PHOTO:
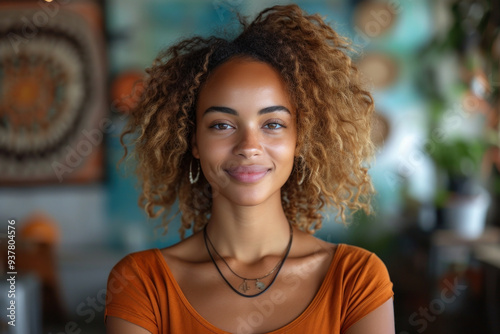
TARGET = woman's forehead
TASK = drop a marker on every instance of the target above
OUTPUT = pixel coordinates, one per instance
(238, 68)
(241, 79)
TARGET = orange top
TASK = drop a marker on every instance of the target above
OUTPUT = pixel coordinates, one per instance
(142, 290)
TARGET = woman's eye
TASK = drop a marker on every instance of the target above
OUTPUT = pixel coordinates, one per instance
(274, 126)
(221, 126)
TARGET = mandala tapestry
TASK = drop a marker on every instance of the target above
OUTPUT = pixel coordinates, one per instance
(52, 74)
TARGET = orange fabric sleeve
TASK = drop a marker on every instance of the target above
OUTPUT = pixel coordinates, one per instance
(369, 287)
(129, 296)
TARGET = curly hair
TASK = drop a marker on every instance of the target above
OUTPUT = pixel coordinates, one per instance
(334, 115)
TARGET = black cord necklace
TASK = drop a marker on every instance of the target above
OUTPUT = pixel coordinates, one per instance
(244, 286)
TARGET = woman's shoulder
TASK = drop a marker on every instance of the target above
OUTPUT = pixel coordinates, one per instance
(340, 254)
(363, 281)
(139, 264)
(142, 256)
(356, 263)
(354, 253)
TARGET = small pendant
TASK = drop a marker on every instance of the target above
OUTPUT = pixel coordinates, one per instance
(244, 286)
(259, 285)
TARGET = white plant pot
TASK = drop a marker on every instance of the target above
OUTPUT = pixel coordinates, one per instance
(466, 215)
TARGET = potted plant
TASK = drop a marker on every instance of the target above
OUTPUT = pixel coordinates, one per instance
(461, 197)
(460, 72)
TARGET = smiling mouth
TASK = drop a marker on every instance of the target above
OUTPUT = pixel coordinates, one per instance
(248, 174)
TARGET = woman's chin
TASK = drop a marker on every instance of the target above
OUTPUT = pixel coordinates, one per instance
(248, 198)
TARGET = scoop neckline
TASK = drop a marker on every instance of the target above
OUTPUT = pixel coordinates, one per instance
(309, 309)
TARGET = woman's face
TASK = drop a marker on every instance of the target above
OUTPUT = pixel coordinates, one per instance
(246, 134)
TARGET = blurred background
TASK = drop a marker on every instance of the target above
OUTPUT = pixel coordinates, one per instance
(69, 74)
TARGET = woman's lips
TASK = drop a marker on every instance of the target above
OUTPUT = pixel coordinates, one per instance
(248, 174)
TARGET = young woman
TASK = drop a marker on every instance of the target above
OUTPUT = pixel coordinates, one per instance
(253, 137)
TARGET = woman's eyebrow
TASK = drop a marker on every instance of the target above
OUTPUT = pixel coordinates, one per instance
(273, 109)
(231, 111)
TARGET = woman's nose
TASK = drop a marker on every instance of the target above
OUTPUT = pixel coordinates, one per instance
(249, 144)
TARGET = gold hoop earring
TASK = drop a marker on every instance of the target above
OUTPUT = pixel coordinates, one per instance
(302, 179)
(302, 167)
(193, 181)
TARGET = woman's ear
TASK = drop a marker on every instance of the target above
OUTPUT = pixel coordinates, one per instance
(194, 147)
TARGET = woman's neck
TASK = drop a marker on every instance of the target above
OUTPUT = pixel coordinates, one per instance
(248, 234)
